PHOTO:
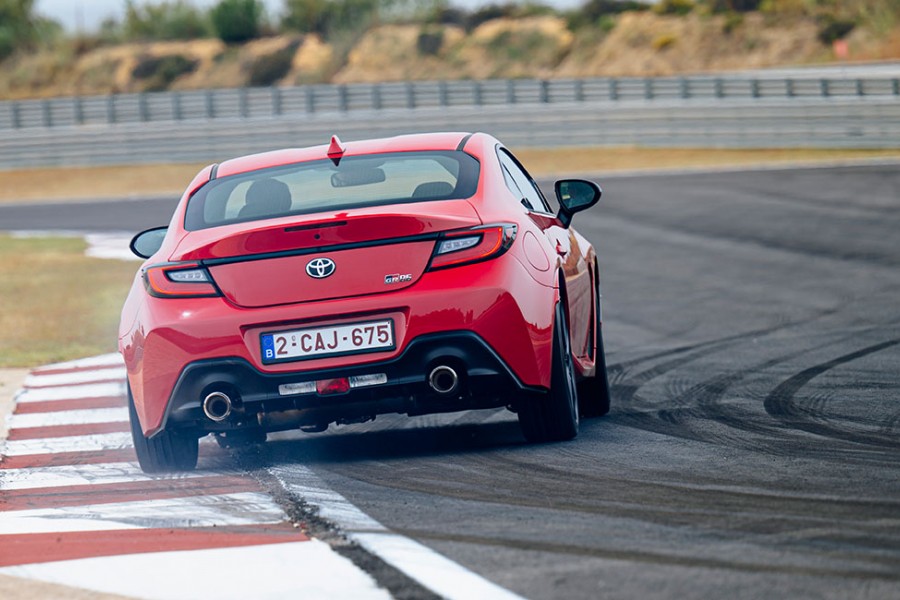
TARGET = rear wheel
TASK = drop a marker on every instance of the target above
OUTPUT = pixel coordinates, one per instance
(555, 416)
(166, 451)
(593, 392)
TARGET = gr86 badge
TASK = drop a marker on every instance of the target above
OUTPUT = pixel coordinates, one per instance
(397, 278)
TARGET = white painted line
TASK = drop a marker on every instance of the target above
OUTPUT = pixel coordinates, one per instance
(37, 380)
(89, 390)
(437, 573)
(109, 245)
(247, 508)
(72, 475)
(310, 570)
(68, 417)
(112, 359)
(75, 443)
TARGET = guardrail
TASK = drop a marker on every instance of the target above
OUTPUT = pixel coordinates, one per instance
(249, 103)
(713, 113)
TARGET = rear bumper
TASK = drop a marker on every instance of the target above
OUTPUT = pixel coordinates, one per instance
(485, 381)
(163, 339)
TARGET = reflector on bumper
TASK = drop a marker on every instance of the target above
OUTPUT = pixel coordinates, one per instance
(339, 385)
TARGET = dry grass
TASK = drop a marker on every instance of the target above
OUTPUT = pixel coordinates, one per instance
(95, 182)
(170, 180)
(55, 303)
(548, 162)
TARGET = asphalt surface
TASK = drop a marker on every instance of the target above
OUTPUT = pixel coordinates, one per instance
(752, 324)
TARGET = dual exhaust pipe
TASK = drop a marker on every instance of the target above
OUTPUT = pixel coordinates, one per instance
(217, 406)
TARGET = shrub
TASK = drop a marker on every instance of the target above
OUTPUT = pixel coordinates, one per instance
(177, 20)
(269, 68)
(20, 28)
(430, 41)
(160, 71)
(593, 13)
(664, 41)
(236, 21)
(330, 17)
(732, 22)
(731, 6)
(673, 7)
(832, 29)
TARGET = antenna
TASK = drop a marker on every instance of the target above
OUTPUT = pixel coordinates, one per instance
(336, 150)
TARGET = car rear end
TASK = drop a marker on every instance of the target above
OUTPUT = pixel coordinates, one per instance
(333, 289)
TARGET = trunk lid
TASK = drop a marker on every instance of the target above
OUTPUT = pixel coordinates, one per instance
(284, 261)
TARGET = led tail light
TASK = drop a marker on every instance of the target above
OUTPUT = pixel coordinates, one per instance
(472, 245)
(179, 280)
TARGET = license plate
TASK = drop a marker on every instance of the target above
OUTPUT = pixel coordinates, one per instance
(331, 340)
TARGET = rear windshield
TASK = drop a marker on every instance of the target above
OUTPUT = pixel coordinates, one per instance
(315, 186)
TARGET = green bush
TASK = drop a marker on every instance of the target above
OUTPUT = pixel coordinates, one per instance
(237, 21)
(158, 72)
(430, 41)
(732, 6)
(177, 20)
(331, 17)
(21, 28)
(600, 13)
(832, 29)
(673, 7)
(269, 68)
(733, 20)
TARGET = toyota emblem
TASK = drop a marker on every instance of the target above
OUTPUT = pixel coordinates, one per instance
(320, 268)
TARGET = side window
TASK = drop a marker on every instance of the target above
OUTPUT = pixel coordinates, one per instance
(530, 194)
(511, 183)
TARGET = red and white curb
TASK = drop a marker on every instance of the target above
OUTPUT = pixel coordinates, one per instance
(76, 510)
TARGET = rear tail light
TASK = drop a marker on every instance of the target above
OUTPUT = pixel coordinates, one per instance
(179, 280)
(472, 245)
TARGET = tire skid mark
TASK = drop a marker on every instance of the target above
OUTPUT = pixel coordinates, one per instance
(707, 396)
(890, 573)
(781, 405)
(750, 512)
(627, 385)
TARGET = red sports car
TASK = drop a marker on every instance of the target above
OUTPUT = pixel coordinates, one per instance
(416, 274)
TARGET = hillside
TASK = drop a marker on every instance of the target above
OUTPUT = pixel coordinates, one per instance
(629, 44)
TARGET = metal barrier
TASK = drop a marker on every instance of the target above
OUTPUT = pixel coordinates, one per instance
(521, 113)
(279, 101)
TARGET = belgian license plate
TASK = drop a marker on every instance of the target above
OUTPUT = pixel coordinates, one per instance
(331, 340)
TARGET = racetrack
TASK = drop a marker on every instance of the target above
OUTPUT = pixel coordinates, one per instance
(752, 324)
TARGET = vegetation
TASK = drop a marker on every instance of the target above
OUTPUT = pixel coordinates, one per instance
(269, 68)
(449, 42)
(237, 21)
(158, 72)
(22, 29)
(177, 20)
(62, 305)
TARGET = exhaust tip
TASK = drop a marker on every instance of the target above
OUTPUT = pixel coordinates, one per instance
(217, 406)
(443, 380)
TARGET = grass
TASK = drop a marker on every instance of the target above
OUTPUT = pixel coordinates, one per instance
(24, 185)
(55, 303)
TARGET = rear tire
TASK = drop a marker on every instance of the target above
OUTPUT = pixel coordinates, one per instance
(593, 392)
(164, 452)
(554, 417)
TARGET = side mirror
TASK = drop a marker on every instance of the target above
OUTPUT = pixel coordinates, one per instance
(575, 195)
(146, 243)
